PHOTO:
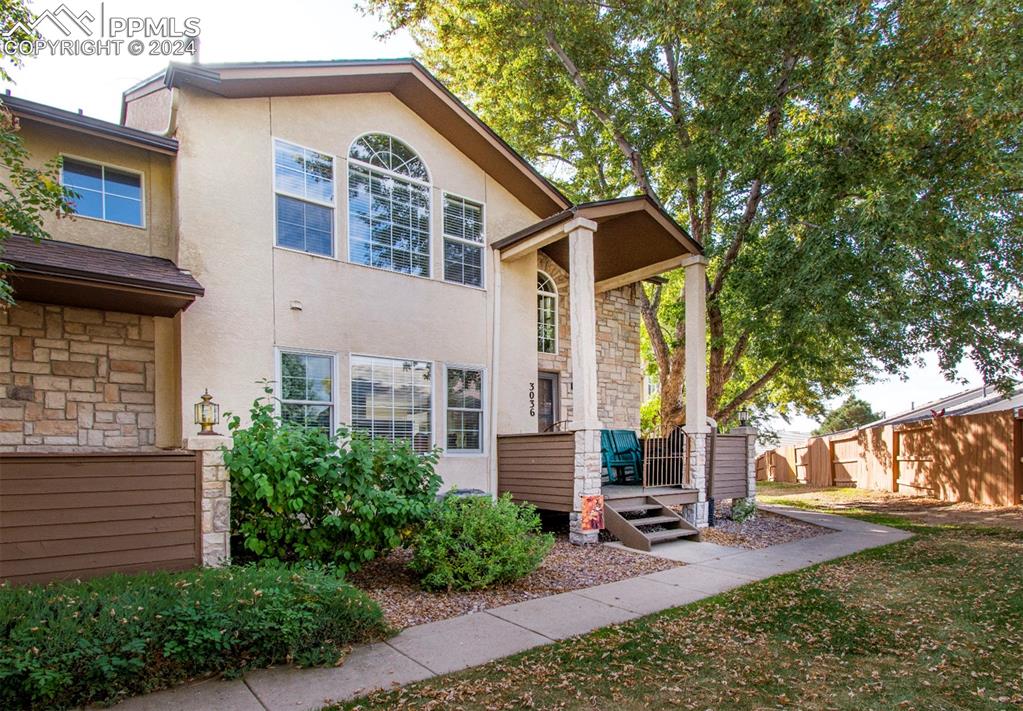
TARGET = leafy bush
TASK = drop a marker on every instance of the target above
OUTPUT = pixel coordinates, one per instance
(301, 494)
(744, 509)
(474, 542)
(72, 643)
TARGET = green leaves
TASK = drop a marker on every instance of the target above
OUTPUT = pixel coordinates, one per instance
(301, 494)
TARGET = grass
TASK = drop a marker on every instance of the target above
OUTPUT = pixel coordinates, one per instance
(935, 622)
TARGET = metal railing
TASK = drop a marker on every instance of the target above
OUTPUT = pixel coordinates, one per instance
(665, 460)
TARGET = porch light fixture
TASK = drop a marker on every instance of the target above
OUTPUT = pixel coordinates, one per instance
(207, 414)
(743, 417)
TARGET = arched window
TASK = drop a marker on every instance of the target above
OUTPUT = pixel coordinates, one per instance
(546, 314)
(388, 206)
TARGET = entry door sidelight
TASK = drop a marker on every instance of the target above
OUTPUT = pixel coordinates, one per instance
(547, 397)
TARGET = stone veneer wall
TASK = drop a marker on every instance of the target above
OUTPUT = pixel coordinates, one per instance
(76, 379)
(619, 367)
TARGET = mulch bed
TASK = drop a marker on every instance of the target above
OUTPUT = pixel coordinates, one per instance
(567, 567)
(767, 529)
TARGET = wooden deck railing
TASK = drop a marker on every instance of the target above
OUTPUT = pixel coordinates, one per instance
(664, 460)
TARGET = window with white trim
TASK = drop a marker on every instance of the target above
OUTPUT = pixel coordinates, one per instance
(392, 398)
(464, 409)
(463, 241)
(307, 389)
(103, 193)
(388, 206)
(304, 185)
(546, 314)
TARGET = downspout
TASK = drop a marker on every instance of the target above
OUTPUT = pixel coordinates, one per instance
(495, 372)
(172, 118)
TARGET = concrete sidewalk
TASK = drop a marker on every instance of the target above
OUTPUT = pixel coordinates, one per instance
(450, 645)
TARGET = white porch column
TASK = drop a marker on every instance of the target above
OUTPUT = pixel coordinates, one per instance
(585, 420)
(696, 382)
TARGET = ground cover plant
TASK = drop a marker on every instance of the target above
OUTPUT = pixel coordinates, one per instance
(72, 643)
(934, 622)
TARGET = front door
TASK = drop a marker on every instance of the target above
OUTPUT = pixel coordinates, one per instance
(547, 410)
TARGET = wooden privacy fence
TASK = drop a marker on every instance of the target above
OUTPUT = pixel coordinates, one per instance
(80, 515)
(973, 458)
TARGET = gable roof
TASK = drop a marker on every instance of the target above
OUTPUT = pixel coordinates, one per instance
(23, 108)
(408, 80)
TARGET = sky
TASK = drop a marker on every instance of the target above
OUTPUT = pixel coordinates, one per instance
(232, 31)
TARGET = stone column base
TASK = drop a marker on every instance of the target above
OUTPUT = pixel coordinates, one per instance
(586, 483)
(216, 497)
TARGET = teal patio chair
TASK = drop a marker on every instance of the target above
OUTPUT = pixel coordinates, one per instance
(622, 456)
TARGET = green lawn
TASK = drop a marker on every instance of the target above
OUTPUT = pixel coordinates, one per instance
(935, 622)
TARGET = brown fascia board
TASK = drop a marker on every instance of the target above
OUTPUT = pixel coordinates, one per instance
(406, 79)
(51, 115)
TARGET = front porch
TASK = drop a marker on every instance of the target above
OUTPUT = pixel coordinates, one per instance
(604, 251)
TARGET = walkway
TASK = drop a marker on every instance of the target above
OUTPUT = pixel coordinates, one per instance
(450, 645)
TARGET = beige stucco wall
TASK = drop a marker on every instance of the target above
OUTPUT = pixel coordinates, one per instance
(226, 233)
(156, 237)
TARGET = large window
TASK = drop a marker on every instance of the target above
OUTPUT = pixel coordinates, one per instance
(388, 206)
(465, 409)
(304, 183)
(392, 399)
(307, 389)
(463, 241)
(546, 314)
(104, 193)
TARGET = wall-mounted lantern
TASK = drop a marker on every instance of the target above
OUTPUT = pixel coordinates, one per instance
(207, 414)
(744, 418)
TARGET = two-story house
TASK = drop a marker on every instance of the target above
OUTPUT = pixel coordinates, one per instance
(350, 231)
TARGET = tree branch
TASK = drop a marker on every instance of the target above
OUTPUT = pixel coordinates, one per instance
(755, 387)
(648, 311)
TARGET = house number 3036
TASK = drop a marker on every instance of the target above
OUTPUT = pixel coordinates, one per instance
(532, 399)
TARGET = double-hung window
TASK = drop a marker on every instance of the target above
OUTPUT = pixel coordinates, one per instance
(463, 241)
(388, 206)
(104, 193)
(307, 389)
(392, 398)
(304, 183)
(464, 409)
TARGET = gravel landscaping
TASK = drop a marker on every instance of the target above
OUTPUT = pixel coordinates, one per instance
(567, 567)
(766, 529)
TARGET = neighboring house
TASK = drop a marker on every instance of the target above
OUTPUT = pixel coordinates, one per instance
(968, 402)
(351, 232)
(782, 438)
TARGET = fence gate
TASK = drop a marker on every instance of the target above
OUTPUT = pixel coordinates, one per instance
(665, 460)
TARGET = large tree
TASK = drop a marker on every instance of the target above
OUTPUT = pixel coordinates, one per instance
(853, 168)
(26, 193)
(853, 412)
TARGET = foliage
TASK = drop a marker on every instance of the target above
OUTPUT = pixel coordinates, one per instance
(72, 643)
(474, 543)
(26, 193)
(303, 494)
(866, 631)
(854, 412)
(852, 168)
(744, 509)
(650, 415)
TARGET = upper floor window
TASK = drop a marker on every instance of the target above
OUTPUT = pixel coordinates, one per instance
(104, 193)
(546, 314)
(463, 241)
(388, 206)
(304, 184)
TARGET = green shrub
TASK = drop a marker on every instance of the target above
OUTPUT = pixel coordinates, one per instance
(474, 542)
(300, 494)
(744, 509)
(72, 643)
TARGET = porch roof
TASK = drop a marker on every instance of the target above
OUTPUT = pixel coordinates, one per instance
(634, 240)
(91, 277)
